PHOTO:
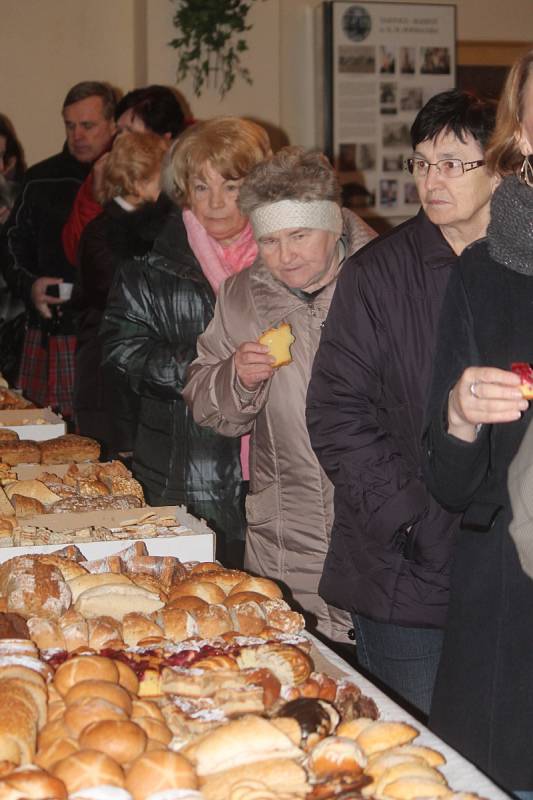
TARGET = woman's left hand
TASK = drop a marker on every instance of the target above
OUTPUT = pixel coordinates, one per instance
(483, 395)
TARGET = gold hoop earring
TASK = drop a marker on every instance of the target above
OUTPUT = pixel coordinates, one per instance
(526, 171)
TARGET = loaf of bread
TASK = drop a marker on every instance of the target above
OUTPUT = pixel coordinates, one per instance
(117, 599)
(7, 435)
(279, 341)
(25, 451)
(69, 447)
(26, 506)
(32, 488)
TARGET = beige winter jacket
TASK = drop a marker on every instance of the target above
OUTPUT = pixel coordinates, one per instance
(289, 508)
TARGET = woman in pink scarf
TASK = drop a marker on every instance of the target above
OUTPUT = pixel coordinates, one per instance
(162, 302)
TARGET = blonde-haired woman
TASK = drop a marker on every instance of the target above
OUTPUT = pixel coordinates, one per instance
(160, 305)
(126, 228)
(483, 699)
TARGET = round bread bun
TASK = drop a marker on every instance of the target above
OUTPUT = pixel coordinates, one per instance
(197, 588)
(56, 709)
(112, 692)
(88, 768)
(51, 732)
(146, 708)
(122, 740)
(84, 668)
(226, 579)
(157, 771)
(126, 676)
(90, 709)
(187, 603)
(153, 744)
(155, 729)
(33, 784)
(259, 585)
(54, 752)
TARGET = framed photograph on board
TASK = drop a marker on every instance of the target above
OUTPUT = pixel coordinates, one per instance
(382, 62)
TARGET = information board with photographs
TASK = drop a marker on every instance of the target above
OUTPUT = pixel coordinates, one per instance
(383, 61)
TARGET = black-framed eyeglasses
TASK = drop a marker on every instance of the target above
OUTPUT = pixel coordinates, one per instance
(447, 167)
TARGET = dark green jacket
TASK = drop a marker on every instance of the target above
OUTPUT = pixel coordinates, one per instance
(158, 306)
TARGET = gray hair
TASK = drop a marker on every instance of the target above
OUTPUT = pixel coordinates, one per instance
(85, 89)
(293, 173)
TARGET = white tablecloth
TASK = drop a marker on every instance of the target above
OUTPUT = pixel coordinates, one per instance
(460, 773)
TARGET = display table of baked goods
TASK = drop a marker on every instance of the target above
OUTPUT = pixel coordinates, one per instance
(460, 773)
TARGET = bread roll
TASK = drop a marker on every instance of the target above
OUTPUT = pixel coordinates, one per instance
(226, 579)
(107, 690)
(68, 568)
(123, 740)
(146, 708)
(408, 787)
(137, 626)
(32, 488)
(186, 603)
(88, 487)
(31, 693)
(60, 748)
(410, 769)
(84, 668)
(69, 447)
(102, 631)
(260, 585)
(280, 776)
(127, 677)
(212, 621)
(38, 590)
(157, 771)
(18, 723)
(116, 600)
(88, 768)
(336, 755)
(155, 729)
(27, 506)
(87, 710)
(56, 709)
(381, 735)
(289, 664)
(240, 741)
(46, 633)
(32, 783)
(427, 754)
(204, 566)
(178, 624)
(197, 588)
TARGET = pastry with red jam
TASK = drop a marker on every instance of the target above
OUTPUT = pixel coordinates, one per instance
(525, 373)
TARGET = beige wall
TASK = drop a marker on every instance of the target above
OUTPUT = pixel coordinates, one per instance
(45, 47)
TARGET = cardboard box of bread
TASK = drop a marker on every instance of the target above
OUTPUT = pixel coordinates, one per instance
(223, 716)
(33, 423)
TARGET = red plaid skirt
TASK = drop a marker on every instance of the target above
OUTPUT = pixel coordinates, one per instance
(47, 370)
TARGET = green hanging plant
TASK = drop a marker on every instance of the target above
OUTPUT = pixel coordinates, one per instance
(211, 42)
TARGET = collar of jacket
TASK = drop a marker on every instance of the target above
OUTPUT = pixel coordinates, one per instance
(272, 295)
(172, 252)
(436, 252)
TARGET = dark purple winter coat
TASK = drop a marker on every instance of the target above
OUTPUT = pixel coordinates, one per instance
(389, 557)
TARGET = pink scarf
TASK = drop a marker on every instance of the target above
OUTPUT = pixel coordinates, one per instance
(218, 262)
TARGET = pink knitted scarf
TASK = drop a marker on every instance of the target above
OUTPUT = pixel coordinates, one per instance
(218, 262)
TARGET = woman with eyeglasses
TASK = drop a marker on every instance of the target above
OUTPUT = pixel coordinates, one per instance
(483, 700)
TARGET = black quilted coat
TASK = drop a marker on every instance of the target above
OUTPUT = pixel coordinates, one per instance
(157, 308)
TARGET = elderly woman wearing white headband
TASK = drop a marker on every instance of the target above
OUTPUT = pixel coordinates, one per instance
(293, 203)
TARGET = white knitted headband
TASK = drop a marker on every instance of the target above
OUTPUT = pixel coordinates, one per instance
(322, 214)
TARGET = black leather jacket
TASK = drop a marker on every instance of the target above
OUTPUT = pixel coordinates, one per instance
(157, 308)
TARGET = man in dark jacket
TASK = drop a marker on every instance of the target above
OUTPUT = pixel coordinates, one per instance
(35, 265)
(389, 558)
